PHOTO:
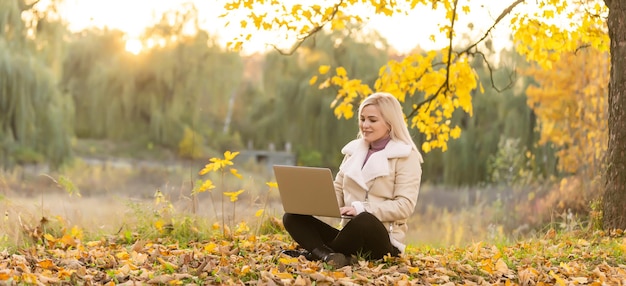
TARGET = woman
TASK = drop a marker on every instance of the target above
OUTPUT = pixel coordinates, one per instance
(377, 183)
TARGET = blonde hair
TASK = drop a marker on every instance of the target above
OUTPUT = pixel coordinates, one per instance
(392, 114)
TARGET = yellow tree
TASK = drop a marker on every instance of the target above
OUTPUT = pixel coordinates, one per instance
(443, 81)
(570, 102)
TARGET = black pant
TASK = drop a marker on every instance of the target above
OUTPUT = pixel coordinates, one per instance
(363, 235)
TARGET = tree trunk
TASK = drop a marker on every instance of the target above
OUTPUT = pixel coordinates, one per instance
(614, 201)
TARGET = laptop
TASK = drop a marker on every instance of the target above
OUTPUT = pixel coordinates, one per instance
(307, 190)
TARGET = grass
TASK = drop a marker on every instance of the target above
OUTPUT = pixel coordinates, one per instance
(114, 227)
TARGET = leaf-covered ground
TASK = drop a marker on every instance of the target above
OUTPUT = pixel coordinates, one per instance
(255, 260)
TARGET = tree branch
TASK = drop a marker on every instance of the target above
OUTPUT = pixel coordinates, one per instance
(428, 100)
(450, 36)
(504, 13)
(493, 85)
(310, 34)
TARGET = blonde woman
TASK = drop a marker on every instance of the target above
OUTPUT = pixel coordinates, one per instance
(378, 184)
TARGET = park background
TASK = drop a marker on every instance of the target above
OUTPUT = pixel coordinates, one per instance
(113, 128)
(124, 122)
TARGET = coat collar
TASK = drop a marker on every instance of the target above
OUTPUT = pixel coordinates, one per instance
(376, 166)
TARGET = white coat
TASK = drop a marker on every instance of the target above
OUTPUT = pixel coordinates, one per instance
(387, 186)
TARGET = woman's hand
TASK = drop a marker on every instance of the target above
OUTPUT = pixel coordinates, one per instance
(349, 211)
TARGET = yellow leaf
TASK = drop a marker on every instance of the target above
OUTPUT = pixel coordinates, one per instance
(68, 240)
(245, 269)
(257, 19)
(456, 132)
(166, 264)
(208, 168)
(288, 260)
(242, 227)
(426, 147)
(259, 213)
(233, 195)
(158, 197)
(46, 264)
(558, 278)
(122, 255)
(324, 69)
(234, 172)
(341, 71)
(313, 80)
(29, 278)
(94, 243)
(206, 186)
(338, 24)
(49, 237)
(272, 184)
(76, 232)
(229, 156)
(487, 266)
(159, 225)
(326, 83)
(210, 247)
(283, 275)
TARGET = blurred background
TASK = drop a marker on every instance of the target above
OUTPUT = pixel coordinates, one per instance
(121, 114)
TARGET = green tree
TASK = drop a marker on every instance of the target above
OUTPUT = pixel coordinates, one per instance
(287, 110)
(35, 116)
(181, 81)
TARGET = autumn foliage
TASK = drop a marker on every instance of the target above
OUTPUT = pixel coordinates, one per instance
(248, 259)
(570, 102)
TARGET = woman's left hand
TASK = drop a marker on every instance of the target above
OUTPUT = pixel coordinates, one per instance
(349, 211)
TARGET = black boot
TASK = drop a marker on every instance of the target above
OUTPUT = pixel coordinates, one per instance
(327, 255)
(298, 252)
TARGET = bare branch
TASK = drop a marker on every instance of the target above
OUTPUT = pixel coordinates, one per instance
(493, 85)
(310, 34)
(441, 89)
(581, 48)
(504, 13)
(450, 36)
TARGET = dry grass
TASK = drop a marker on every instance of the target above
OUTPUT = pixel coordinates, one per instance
(115, 197)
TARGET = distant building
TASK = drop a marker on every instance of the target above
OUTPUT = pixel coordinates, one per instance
(268, 157)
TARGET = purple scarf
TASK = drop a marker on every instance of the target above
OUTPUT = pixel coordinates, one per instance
(377, 146)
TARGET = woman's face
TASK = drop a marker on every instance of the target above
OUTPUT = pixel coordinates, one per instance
(372, 124)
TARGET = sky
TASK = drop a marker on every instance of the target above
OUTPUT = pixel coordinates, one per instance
(402, 32)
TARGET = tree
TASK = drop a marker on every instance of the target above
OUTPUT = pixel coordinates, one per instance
(34, 113)
(172, 91)
(615, 178)
(299, 114)
(570, 102)
(542, 31)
